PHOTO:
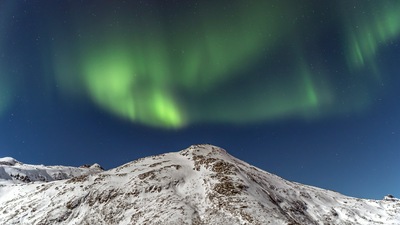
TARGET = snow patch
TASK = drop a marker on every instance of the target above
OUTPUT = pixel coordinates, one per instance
(9, 161)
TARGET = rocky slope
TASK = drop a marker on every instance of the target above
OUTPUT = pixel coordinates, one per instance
(199, 185)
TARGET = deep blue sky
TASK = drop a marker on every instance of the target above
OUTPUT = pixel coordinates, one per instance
(305, 90)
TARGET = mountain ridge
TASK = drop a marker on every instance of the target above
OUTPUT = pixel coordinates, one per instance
(15, 172)
(202, 184)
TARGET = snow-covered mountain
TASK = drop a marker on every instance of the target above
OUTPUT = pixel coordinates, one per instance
(202, 184)
(15, 172)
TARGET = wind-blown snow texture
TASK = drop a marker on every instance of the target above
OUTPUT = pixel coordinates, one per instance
(199, 185)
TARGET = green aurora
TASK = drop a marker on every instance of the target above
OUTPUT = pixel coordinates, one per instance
(367, 32)
(249, 62)
(6, 83)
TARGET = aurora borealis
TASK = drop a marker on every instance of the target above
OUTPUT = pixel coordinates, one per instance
(185, 69)
(167, 70)
(147, 73)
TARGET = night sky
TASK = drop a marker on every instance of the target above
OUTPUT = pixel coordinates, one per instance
(308, 90)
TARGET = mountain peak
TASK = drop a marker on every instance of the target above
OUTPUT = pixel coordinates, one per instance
(205, 150)
(9, 161)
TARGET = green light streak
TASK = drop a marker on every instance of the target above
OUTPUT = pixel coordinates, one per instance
(310, 89)
(166, 111)
(368, 33)
(6, 85)
(302, 95)
(116, 83)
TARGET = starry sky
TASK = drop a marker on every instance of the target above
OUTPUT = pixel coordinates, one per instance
(308, 90)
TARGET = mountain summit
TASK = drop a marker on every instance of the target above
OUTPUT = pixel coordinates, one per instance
(202, 184)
